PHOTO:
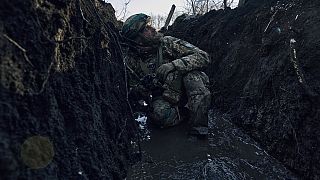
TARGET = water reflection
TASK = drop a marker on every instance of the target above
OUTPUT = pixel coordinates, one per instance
(228, 153)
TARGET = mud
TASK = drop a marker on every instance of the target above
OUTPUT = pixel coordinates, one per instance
(228, 153)
(62, 79)
(265, 74)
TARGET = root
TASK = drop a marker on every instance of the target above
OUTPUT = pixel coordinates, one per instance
(271, 19)
(82, 13)
(45, 80)
(20, 47)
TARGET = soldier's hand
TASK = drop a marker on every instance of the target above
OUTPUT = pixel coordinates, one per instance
(164, 70)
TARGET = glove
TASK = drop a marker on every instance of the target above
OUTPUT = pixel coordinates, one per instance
(164, 70)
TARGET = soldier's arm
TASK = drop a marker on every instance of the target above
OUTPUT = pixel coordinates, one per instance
(187, 56)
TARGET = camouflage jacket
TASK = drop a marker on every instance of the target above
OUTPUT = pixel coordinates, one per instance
(185, 57)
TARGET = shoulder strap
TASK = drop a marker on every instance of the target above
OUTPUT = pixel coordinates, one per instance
(160, 55)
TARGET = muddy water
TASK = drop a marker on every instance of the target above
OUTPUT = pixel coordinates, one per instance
(228, 153)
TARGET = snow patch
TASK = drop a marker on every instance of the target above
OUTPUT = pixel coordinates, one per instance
(142, 119)
(293, 41)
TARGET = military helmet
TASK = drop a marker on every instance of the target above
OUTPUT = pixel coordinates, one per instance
(135, 24)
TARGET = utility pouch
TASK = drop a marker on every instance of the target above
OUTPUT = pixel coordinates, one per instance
(173, 87)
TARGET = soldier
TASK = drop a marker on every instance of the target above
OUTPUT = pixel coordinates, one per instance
(174, 66)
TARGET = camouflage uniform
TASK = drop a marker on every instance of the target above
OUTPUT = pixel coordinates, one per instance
(186, 80)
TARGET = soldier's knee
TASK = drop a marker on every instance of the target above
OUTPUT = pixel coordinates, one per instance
(196, 82)
(163, 114)
(197, 76)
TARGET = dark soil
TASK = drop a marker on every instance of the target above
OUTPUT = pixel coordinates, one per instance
(265, 74)
(227, 154)
(62, 77)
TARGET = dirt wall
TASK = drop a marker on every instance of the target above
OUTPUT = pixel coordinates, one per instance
(62, 79)
(265, 73)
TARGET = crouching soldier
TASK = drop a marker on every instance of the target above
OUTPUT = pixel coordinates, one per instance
(174, 68)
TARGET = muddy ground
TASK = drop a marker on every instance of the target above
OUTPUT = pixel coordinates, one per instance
(62, 79)
(228, 153)
(266, 74)
(63, 82)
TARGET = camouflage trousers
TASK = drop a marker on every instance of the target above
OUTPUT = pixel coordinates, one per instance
(197, 97)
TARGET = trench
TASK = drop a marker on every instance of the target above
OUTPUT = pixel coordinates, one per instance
(227, 153)
(76, 97)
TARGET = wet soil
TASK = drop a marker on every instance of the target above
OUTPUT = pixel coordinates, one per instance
(63, 83)
(265, 73)
(62, 86)
(228, 153)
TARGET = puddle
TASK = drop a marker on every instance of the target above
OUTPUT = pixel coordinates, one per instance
(228, 153)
